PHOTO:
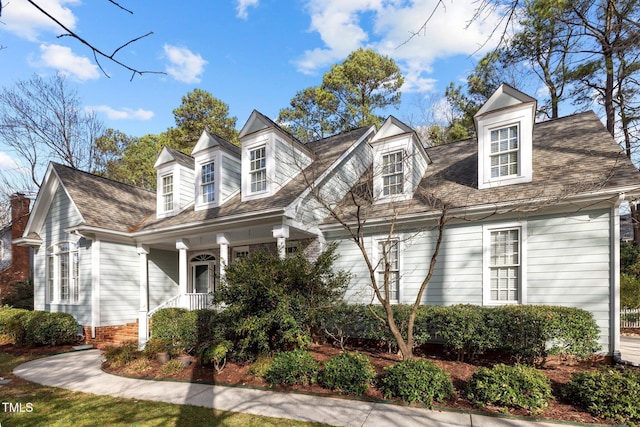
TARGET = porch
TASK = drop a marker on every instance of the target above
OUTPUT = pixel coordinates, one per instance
(190, 301)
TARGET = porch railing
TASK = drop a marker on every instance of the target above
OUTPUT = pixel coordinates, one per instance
(193, 301)
(630, 318)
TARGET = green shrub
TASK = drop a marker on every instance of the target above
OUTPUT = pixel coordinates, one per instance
(260, 366)
(177, 326)
(270, 300)
(516, 386)
(463, 328)
(123, 354)
(609, 393)
(348, 372)
(45, 328)
(292, 367)
(21, 297)
(629, 291)
(11, 323)
(216, 354)
(417, 380)
(172, 367)
(573, 332)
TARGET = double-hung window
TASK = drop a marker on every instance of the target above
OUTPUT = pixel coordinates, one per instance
(208, 183)
(167, 193)
(504, 283)
(392, 173)
(63, 272)
(389, 262)
(504, 153)
(258, 169)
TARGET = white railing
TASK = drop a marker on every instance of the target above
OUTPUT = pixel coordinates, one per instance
(630, 318)
(192, 301)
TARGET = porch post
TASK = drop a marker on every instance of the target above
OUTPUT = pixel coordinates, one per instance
(143, 323)
(183, 246)
(222, 240)
(281, 234)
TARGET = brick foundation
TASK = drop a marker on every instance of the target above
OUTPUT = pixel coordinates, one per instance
(112, 335)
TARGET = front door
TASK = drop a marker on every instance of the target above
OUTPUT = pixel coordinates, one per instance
(203, 273)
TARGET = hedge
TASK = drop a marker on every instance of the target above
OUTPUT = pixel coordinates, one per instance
(529, 333)
(38, 328)
(178, 327)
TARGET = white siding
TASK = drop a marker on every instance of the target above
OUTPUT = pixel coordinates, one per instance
(163, 276)
(186, 191)
(289, 162)
(568, 263)
(119, 283)
(230, 177)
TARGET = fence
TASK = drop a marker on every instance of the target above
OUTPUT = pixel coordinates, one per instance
(630, 318)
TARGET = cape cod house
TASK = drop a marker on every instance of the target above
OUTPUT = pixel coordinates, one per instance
(532, 217)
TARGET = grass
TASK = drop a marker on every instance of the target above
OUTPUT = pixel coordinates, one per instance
(58, 407)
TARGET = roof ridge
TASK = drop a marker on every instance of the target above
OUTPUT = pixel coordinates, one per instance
(56, 164)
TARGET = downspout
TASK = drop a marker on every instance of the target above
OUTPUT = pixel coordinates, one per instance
(614, 294)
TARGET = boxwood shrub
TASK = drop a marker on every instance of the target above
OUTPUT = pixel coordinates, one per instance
(177, 326)
(38, 328)
(517, 386)
(417, 380)
(292, 367)
(351, 373)
(610, 393)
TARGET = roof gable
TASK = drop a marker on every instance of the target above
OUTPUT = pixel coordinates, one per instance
(505, 97)
(210, 140)
(168, 155)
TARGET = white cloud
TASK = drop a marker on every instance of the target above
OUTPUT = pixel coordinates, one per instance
(186, 66)
(242, 7)
(8, 163)
(123, 114)
(385, 25)
(66, 62)
(24, 20)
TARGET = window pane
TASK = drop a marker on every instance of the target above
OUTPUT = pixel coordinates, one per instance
(258, 171)
(392, 173)
(167, 192)
(388, 253)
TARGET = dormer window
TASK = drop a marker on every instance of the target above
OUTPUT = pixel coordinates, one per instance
(258, 169)
(167, 193)
(504, 151)
(208, 183)
(392, 173)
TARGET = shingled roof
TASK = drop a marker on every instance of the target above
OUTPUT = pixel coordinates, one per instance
(326, 151)
(104, 203)
(572, 155)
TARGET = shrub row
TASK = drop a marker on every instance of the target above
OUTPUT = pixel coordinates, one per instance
(37, 327)
(527, 332)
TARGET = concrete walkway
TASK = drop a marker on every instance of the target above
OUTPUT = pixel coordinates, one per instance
(630, 349)
(81, 371)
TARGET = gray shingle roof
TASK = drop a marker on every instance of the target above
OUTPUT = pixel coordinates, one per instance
(104, 203)
(571, 156)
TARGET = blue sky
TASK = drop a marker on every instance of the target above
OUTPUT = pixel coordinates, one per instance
(251, 54)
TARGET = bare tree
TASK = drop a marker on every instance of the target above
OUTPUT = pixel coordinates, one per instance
(98, 53)
(42, 120)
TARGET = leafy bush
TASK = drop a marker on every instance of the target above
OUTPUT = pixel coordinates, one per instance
(21, 297)
(178, 326)
(155, 346)
(122, 355)
(348, 372)
(516, 386)
(463, 328)
(38, 327)
(216, 354)
(609, 393)
(292, 367)
(172, 367)
(629, 291)
(45, 328)
(270, 300)
(417, 380)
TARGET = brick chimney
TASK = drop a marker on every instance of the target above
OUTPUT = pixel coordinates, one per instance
(20, 254)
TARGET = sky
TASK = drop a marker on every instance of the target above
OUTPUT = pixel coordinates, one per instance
(251, 54)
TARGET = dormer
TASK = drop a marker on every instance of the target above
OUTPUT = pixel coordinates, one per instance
(175, 182)
(399, 161)
(504, 126)
(271, 157)
(217, 171)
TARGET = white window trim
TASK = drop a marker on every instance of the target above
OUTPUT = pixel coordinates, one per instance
(212, 265)
(486, 262)
(378, 258)
(384, 148)
(261, 170)
(54, 252)
(240, 249)
(212, 183)
(162, 174)
(200, 161)
(266, 141)
(523, 120)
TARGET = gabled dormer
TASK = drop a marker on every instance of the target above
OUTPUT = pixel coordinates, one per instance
(175, 184)
(217, 170)
(504, 126)
(399, 161)
(271, 157)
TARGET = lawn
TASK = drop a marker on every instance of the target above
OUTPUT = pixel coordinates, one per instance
(28, 404)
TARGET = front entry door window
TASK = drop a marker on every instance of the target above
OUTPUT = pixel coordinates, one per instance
(203, 273)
